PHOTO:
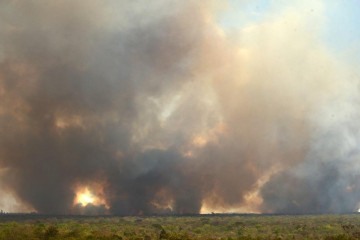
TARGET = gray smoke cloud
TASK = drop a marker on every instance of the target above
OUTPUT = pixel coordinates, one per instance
(153, 108)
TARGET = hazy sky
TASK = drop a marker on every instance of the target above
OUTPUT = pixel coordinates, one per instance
(340, 31)
(341, 18)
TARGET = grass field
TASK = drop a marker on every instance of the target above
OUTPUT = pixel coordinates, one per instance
(347, 226)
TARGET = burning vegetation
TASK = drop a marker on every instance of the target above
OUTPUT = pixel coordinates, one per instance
(121, 107)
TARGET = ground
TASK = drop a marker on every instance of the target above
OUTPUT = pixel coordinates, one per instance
(34, 227)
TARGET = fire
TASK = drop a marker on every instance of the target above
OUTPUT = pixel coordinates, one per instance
(86, 195)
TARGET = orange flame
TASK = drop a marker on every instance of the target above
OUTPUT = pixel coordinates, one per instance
(86, 195)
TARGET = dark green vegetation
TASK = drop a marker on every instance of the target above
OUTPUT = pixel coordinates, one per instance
(225, 227)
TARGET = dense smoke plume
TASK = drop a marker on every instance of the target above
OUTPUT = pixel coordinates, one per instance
(156, 109)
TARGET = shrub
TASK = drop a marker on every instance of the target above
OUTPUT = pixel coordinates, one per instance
(51, 232)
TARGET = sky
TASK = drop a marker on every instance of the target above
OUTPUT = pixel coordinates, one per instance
(131, 108)
(341, 31)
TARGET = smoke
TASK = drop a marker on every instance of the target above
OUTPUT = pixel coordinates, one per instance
(157, 109)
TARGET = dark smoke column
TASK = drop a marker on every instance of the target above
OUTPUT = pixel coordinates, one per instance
(75, 89)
